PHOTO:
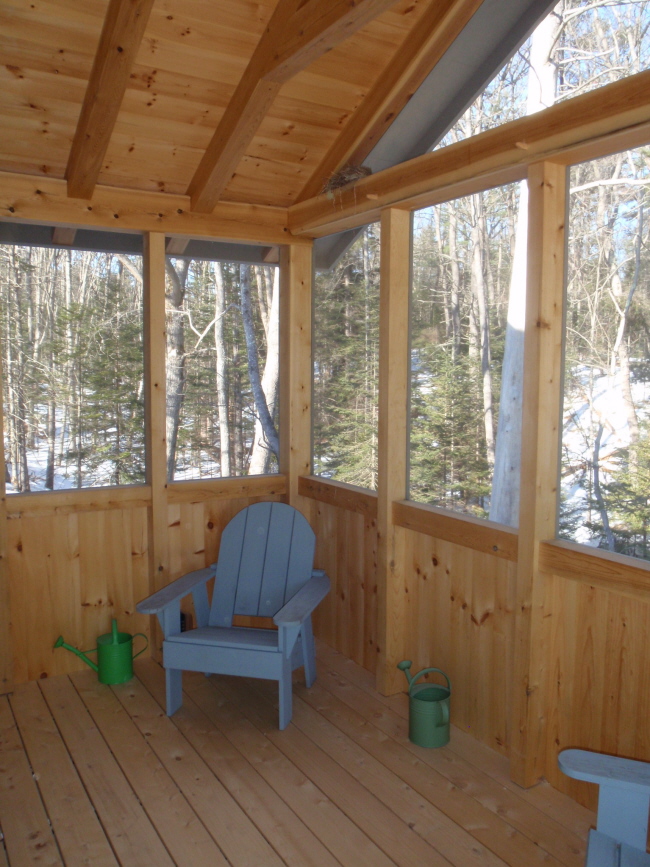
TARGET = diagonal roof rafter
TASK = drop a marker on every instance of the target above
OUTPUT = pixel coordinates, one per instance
(119, 42)
(440, 25)
(296, 35)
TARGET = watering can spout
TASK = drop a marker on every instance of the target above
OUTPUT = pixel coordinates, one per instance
(405, 666)
(61, 643)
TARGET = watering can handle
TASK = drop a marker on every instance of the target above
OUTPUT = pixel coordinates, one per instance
(426, 671)
(145, 646)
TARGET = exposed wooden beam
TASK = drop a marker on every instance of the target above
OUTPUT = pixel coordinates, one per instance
(392, 437)
(120, 39)
(416, 57)
(176, 246)
(293, 39)
(45, 200)
(63, 236)
(272, 256)
(155, 434)
(296, 273)
(612, 118)
(541, 413)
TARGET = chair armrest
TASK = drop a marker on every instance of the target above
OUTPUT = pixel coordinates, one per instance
(155, 603)
(605, 770)
(300, 606)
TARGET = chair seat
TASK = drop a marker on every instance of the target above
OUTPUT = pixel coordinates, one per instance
(243, 638)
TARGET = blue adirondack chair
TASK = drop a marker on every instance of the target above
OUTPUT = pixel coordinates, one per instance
(265, 568)
(623, 804)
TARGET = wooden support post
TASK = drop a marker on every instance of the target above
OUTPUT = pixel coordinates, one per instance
(6, 650)
(296, 271)
(155, 396)
(393, 381)
(539, 461)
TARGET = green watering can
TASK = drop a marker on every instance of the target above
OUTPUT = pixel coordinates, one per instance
(114, 654)
(428, 708)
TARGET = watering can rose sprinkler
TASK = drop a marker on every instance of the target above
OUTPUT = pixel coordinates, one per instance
(114, 654)
(428, 708)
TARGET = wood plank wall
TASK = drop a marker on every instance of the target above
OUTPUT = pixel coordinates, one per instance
(74, 567)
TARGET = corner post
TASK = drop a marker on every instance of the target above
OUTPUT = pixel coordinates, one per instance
(392, 441)
(6, 650)
(155, 409)
(539, 463)
(296, 270)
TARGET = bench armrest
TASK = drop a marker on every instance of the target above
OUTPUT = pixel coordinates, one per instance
(300, 606)
(155, 603)
(605, 770)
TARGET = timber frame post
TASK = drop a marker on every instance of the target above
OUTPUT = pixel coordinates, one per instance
(296, 275)
(392, 442)
(153, 266)
(540, 450)
(6, 651)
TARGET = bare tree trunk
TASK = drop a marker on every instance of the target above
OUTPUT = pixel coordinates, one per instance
(504, 503)
(221, 370)
(480, 294)
(270, 379)
(270, 435)
(174, 298)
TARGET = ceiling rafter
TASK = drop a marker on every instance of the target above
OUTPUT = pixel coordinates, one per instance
(296, 35)
(119, 42)
(414, 60)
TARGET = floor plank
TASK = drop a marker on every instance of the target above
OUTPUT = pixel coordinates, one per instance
(27, 834)
(240, 840)
(97, 775)
(394, 837)
(541, 830)
(80, 836)
(289, 836)
(322, 815)
(132, 836)
(544, 797)
(184, 835)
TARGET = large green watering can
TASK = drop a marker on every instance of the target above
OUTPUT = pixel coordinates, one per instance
(428, 708)
(114, 654)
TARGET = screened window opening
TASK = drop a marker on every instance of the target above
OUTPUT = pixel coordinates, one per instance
(467, 309)
(222, 361)
(605, 466)
(346, 364)
(72, 355)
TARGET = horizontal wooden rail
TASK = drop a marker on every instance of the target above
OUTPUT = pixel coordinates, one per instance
(226, 489)
(77, 500)
(615, 572)
(138, 496)
(475, 533)
(339, 494)
(45, 200)
(611, 118)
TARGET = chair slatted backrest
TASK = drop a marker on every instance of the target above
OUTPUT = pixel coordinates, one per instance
(266, 555)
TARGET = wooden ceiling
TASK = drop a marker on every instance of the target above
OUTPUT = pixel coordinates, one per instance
(222, 100)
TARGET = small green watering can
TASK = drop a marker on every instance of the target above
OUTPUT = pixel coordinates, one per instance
(428, 708)
(114, 654)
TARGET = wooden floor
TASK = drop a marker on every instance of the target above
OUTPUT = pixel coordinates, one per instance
(96, 775)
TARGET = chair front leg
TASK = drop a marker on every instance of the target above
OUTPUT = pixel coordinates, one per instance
(308, 652)
(173, 689)
(285, 694)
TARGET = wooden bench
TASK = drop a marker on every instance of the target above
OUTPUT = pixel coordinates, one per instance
(623, 804)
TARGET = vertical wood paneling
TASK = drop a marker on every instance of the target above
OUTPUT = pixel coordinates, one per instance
(599, 667)
(459, 618)
(70, 575)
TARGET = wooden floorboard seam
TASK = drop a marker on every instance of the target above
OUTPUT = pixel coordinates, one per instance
(111, 780)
